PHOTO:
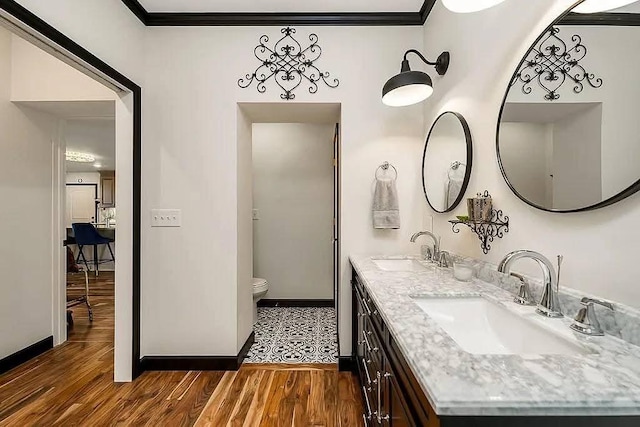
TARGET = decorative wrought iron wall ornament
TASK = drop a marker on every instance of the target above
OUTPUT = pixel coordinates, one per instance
(487, 231)
(289, 64)
(551, 62)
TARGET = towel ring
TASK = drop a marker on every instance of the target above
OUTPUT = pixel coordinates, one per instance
(385, 167)
(454, 167)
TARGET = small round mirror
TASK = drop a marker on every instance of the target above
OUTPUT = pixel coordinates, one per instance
(446, 162)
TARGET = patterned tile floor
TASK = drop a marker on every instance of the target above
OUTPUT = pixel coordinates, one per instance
(294, 335)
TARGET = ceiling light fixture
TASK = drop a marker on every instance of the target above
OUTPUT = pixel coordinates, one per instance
(593, 6)
(468, 6)
(410, 87)
(74, 156)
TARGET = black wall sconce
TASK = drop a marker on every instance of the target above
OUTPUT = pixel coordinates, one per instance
(410, 87)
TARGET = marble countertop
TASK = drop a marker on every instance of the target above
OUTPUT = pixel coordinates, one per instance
(457, 383)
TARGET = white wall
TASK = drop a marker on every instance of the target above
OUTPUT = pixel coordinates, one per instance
(577, 159)
(475, 86)
(190, 116)
(293, 193)
(106, 28)
(526, 154)
(34, 71)
(26, 249)
(244, 275)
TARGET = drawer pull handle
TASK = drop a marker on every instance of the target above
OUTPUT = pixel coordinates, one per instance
(366, 400)
(366, 342)
(379, 415)
(366, 371)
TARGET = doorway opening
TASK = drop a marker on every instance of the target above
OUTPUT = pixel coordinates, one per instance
(48, 115)
(294, 208)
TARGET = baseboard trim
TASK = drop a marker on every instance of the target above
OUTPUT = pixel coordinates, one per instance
(26, 354)
(198, 363)
(346, 364)
(296, 303)
(245, 348)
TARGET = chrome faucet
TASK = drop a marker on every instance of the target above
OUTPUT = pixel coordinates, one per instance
(435, 255)
(586, 321)
(549, 304)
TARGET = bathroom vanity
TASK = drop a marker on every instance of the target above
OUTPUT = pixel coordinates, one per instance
(433, 351)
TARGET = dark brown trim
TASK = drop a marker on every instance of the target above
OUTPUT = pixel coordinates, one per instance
(198, 363)
(245, 348)
(26, 354)
(170, 19)
(138, 10)
(281, 19)
(34, 22)
(347, 364)
(425, 10)
(296, 303)
(616, 19)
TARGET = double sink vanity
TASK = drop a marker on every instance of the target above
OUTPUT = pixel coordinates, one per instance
(434, 351)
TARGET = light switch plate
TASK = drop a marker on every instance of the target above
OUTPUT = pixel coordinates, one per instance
(256, 214)
(166, 217)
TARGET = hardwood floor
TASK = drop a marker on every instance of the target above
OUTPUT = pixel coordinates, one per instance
(72, 385)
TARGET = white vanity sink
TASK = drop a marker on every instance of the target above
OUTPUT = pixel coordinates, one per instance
(398, 264)
(480, 326)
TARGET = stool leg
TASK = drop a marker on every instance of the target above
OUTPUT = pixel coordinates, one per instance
(81, 254)
(86, 296)
(113, 258)
(95, 257)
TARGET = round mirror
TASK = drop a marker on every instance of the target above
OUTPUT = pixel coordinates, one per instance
(446, 162)
(569, 134)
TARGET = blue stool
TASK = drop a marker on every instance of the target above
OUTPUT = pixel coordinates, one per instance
(86, 235)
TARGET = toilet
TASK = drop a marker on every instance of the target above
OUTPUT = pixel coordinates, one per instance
(260, 288)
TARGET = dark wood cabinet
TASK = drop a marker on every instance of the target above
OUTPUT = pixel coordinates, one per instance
(394, 398)
(384, 382)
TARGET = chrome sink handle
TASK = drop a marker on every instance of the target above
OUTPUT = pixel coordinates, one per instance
(524, 294)
(586, 322)
(444, 259)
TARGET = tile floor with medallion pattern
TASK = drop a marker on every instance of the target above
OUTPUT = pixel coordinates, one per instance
(295, 335)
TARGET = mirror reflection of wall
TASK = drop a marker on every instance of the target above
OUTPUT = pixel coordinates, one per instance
(447, 162)
(581, 149)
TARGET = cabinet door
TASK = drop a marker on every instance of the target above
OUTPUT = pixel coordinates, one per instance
(399, 416)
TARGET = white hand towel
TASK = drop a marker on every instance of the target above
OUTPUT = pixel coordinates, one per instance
(454, 187)
(386, 212)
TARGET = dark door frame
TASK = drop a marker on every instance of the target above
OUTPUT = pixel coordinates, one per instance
(38, 25)
(95, 195)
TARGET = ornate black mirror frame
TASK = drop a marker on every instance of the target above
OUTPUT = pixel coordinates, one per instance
(469, 160)
(567, 18)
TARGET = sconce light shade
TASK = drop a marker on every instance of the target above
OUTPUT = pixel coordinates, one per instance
(468, 6)
(593, 6)
(407, 88)
(411, 87)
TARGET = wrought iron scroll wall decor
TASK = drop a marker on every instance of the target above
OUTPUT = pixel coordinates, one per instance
(551, 62)
(288, 64)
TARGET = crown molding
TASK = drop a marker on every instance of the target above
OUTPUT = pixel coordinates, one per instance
(168, 19)
(616, 19)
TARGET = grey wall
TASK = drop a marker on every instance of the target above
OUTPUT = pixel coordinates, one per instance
(293, 192)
